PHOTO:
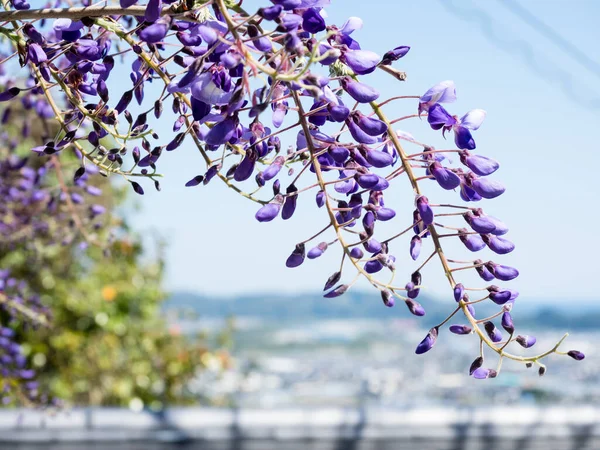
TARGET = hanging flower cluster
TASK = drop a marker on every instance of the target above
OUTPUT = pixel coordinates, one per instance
(239, 84)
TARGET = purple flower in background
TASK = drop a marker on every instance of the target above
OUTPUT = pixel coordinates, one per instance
(20, 4)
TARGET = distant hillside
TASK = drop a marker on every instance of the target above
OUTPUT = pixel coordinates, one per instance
(369, 305)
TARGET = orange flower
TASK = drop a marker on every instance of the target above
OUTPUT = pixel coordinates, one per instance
(109, 293)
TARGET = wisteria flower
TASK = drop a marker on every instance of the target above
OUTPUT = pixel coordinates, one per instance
(439, 118)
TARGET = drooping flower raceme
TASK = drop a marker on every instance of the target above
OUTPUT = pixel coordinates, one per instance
(280, 107)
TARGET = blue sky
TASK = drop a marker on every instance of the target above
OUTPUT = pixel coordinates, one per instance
(543, 108)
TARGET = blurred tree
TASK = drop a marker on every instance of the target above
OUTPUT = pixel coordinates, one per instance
(107, 342)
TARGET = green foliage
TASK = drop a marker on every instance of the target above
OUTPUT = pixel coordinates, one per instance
(108, 342)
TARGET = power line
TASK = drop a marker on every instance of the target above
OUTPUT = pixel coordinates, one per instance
(527, 53)
(552, 35)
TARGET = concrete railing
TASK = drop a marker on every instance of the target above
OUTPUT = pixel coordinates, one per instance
(206, 424)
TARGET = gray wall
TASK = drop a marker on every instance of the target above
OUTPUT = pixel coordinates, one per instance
(318, 429)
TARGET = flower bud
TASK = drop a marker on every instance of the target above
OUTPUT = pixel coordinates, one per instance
(268, 212)
(388, 298)
(340, 290)
(576, 355)
(415, 247)
(356, 253)
(359, 91)
(481, 165)
(498, 244)
(507, 322)
(317, 251)
(460, 329)
(493, 332)
(297, 257)
(526, 341)
(445, 177)
(332, 280)
(414, 307)
(394, 55)
(482, 270)
(427, 344)
(425, 210)
(487, 188)
(476, 365)
(473, 242)
(480, 224)
(482, 374)
(411, 291)
(320, 199)
(459, 291)
(289, 205)
(504, 273)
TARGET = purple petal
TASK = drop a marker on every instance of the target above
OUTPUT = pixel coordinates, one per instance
(297, 257)
(445, 177)
(438, 117)
(312, 21)
(427, 344)
(526, 341)
(481, 165)
(460, 329)
(415, 247)
(473, 119)
(379, 159)
(488, 188)
(361, 62)
(498, 244)
(463, 138)
(153, 10)
(444, 92)
(359, 91)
